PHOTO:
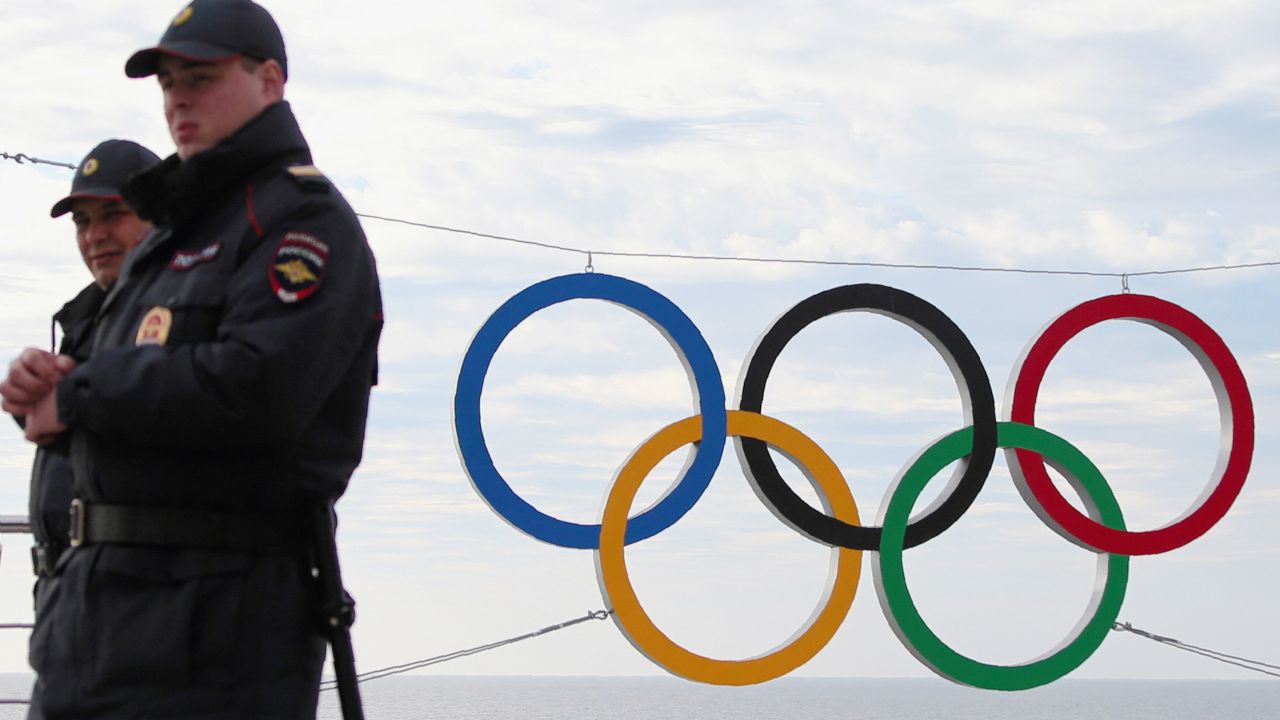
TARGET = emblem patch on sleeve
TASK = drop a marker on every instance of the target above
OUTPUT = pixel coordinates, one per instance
(298, 266)
(155, 326)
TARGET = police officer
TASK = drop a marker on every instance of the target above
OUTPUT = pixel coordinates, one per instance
(106, 230)
(224, 400)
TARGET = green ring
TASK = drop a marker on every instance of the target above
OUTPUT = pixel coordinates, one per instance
(895, 598)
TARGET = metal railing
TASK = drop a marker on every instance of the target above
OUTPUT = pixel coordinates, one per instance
(14, 525)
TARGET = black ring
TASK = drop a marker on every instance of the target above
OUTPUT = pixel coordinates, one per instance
(971, 379)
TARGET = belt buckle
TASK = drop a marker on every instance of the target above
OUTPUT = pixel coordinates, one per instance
(77, 522)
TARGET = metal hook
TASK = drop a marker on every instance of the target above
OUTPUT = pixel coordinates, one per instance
(1124, 284)
(589, 268)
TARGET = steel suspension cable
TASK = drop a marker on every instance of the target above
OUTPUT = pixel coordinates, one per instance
(416, 664)
(588, 253)
(1236, 660)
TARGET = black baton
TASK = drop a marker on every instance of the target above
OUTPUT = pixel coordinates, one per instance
(338, 611)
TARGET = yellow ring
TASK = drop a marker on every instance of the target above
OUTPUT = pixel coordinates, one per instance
(615, 585)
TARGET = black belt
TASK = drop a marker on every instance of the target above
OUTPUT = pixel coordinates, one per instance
(184, 528)
(44, 556)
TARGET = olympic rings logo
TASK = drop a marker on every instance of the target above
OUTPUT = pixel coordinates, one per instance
(1027, 448)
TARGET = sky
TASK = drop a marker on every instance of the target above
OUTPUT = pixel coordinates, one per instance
(1085, 136)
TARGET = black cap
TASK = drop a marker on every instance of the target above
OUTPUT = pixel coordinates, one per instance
(213, 30)
(103, 172)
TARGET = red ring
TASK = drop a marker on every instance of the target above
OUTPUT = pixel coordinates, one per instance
(1234, 402)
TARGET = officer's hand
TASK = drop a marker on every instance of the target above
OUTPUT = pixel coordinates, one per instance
(42, 422)
(32, 375)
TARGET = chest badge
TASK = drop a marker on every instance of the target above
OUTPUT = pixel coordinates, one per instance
(155, 326)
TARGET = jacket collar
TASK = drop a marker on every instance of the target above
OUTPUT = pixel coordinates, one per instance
(82, 306)
(174, 191)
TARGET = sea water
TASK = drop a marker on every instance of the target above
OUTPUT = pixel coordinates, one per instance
(663, 698)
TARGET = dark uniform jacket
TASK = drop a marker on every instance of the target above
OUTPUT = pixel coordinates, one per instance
(231, 371)
(51, 477)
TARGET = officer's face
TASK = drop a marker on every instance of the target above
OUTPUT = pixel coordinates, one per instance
(206, 102)
(106, 230)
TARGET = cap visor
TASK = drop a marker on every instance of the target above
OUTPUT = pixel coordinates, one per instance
(147, 62)
(63, 206)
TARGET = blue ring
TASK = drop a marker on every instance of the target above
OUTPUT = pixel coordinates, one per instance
(688, 344)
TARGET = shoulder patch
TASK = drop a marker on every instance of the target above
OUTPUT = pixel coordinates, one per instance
(309, 177)
(298, 266)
